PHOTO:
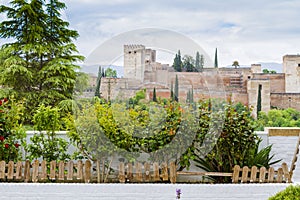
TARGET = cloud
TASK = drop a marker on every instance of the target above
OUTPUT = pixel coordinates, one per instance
(248, 31)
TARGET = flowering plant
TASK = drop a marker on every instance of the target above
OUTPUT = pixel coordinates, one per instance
(11, 133)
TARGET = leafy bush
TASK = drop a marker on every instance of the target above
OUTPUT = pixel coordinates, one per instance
(46, 144)
(11, 132)
(290, 193)
(237, 144)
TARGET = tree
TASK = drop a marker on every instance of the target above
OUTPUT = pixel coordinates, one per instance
(176, 89)
(177, 64)
(154, 95)
(201, 63)
(258, 100)
(82, 82)
(38, 65)
(235, 64)
(216, 58)
(172, 92)
(98, 86)
(197, 62)
(111, 73)
(188, 63)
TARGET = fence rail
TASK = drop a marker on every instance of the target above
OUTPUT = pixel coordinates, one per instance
(79, 171)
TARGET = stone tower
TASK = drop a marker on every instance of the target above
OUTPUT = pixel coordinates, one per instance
(137, 60)
(134, 62)
(291, 68)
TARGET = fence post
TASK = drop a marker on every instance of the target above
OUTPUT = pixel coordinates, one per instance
(279, 175)
(53, 170)
(19, 170)
(156, 172)
(173, 172)
(2, 169)
(10, 170)
(245, 174)
(139, 175)
(271, 175)
(35, 171)
(70, 167)
(87, 170)
(129, 171)
(147, 172)
(27, 171)
(80, 170)
(262, 174)
(165, 172)
(122, 172)
(286, 173)
(44, 170)
(236, 174)
(253, 177)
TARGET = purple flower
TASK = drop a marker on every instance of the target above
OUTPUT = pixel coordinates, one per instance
(178, 192)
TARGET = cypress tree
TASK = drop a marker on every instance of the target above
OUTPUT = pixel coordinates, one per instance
(179, 61)
(197, 62)
(192, 95)
(172, 92)
(176, 89)
(259, 100)
(98, 86)
(216, 58)
(201, 63)
(154, 95)
(188, 95)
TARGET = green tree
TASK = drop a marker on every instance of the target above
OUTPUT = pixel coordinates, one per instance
(197, 62)
(154, 95)
(82, 82)
(258, 109)
(39, 64)
(176, 89)
(98, 86)
(177, 64)
(111, 73)
(201, 62)
(216, 58)
(235, 64)
(266, 71)
(188, 63)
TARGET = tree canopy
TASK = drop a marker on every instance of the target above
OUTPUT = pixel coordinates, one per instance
(38, 65)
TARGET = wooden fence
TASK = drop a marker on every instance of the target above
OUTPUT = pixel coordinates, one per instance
(41, 172)
(148, 173)
(80, 171)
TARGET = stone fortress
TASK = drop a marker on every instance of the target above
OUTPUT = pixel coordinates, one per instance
(142, 71)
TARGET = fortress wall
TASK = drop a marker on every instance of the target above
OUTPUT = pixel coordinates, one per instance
(285, 100)
(277, 81)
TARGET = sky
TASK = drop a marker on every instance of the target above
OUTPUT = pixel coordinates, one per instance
(247, 31)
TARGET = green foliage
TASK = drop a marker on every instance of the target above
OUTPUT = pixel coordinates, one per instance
(98, 87)
(292, 192)
(266, 71)
(154, 95)
(82, 82)
(235, 64)
(176, 89)
(111, 73)
(45, 144)
(188, 64)
(38, 65)
(279, 118)
(258, 109)
(237, 143)
(12, 134)
(216, 59)
(177, 64)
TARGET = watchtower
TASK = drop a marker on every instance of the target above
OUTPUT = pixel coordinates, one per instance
(291, 68)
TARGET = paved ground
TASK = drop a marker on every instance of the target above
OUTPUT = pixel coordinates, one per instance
(139, 191)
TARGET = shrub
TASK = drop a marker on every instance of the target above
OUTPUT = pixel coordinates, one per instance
(290, 193)
(11, 132)
(46, 144)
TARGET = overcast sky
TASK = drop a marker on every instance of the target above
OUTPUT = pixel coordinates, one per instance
(248, 31)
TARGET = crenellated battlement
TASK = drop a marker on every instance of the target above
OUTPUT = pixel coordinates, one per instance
(132, 47)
